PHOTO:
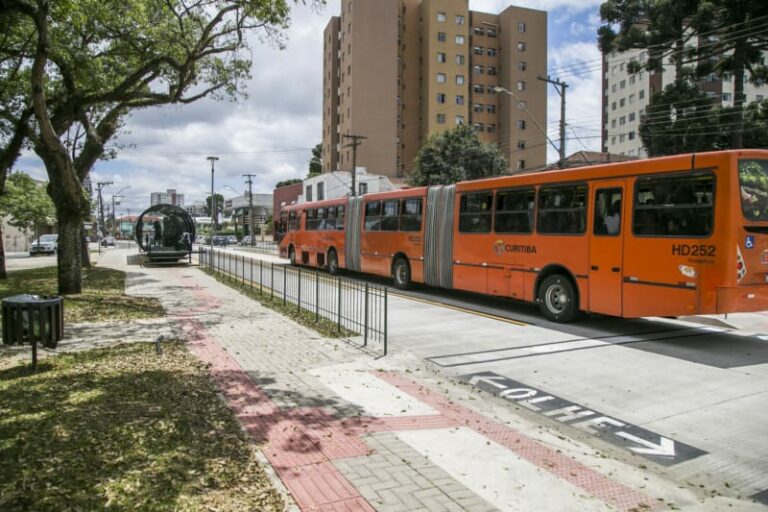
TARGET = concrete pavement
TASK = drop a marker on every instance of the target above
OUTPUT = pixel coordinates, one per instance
(344, 431)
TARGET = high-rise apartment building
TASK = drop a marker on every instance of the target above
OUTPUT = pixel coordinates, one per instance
(627, 95)
(168, 197)
(397, 71)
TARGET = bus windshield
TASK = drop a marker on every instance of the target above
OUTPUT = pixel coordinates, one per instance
(753, 177)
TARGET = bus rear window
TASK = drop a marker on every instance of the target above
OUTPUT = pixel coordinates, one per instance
(674, 205)
(753, 177)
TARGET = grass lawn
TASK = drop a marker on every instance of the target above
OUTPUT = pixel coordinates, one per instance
(103, 297)
(124, 429)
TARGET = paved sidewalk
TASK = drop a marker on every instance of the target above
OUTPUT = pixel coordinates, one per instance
(344, 431)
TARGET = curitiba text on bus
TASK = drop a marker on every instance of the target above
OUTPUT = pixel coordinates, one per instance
(501, 248)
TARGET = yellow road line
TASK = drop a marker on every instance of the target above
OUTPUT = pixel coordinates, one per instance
(460, 309)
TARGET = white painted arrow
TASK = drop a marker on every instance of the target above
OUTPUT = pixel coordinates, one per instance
(665, 447)
(490, 379)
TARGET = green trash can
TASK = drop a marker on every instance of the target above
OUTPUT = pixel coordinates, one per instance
(33, 319)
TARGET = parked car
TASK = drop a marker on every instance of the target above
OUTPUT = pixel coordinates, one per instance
(46, 244)
(231, 240)
(108, 241)
(201, 240)
(219, 240)
(246, 240)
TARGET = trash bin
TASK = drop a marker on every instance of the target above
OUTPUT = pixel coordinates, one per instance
(33, 319)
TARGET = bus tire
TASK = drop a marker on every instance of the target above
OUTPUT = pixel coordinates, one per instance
(292, 256)
(333, 262)
(557, 299)
(401, 273)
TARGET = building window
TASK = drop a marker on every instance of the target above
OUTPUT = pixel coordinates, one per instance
(521, 124)
(441, 17)
(478, 127)
(521, 27)
(631, 135)
(521, 66)
(613, 123)
(521, 47)
(478, 89)
(363, 189)
(520, 165)
(459, 79)
(631, 99)
(459, 39)
(460, 60)
(520, 144)
(641, 94)
(440, 57)
(440, 97)
(459, 20)
(320, 191)
(490, 32)
(490, 128)
(441, 78)
(759, 97)
(491, 52)
(631, 79)
(459, 120)
(491, 109)
(622, 84)
(478, 31)
(520, 85)
(478, 70)
(491, 70)
(479, 107)
(621, 102)
(459, 100)
(613, 88)
(441, 37)
(308, 193)
(631, 116)
(440, 118)
(622, 121)
(478, 50)
(621, 138)
(613, 105)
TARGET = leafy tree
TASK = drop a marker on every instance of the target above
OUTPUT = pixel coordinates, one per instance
(27, 204)
(316, 164)
(91, 62)
(219, 206)
(285, 183)
(456, 155)
(726, 37)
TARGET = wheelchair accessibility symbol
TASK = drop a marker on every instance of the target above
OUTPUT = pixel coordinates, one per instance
(750, 243)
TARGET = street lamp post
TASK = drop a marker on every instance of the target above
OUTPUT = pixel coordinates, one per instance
(535, 122)
(213, 201)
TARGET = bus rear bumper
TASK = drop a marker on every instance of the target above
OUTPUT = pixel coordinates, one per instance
(742, 299)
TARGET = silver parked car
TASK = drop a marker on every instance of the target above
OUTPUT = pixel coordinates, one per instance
(46, 244)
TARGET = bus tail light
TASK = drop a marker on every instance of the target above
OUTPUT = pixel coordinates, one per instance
(741, 267)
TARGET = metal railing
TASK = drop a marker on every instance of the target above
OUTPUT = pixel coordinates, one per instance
(356, 306)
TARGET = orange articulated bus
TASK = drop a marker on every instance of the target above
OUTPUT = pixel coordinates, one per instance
(670, 236)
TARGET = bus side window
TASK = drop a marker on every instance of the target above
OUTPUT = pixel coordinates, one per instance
(410, 215)
(389, 216)
(475, 212)
(340, 217)
(330, 222)
(562, 209)
(686, 208)
(320, 219)
(292, 221)
(513, 212)
(373, 216)
(310, 224)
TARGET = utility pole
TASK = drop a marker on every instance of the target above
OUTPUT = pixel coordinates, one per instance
(100, 216)
(249, 181)
(560, 87)
(114, 215)
(356, 141)
(213, 202)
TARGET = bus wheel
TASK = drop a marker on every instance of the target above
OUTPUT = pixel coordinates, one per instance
(292, 256)
(401, 273)
(333, 263)
(557, 299)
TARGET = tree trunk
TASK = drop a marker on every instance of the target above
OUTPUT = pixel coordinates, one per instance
(85, 255)
(3, 271)
(69, 254)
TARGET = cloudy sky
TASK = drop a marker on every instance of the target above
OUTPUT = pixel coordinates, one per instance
(271, 133)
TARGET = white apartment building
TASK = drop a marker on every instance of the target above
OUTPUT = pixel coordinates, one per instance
(168, 197)
(338, 184)
(626, 96)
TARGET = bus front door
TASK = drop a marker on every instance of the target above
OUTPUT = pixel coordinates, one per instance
(606, 248)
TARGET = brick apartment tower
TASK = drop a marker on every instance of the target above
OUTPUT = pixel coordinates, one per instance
(396, 71)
